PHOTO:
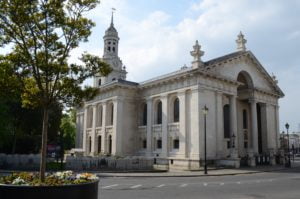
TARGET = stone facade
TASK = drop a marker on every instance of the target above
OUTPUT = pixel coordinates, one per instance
(163, 118)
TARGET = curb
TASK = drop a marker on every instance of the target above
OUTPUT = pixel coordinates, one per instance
(195, 175)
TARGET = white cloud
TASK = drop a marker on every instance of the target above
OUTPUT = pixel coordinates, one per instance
(154, 45)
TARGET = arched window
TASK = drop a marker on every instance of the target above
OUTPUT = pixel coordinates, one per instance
(112, 114)
(113, 49)
(109, 144)
(159, 113)
(99, 82)
(226, 117)
(245, 119)
(145, 114)
(99, 143)
(99, 116)
(90, 144)
(108, 48)
(176, 110)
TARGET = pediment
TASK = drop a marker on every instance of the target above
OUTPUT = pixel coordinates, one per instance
(230, 66)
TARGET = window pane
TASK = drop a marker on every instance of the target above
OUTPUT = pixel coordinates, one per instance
(145, 115)
(176, 110)
(159, 113)
(226, 115)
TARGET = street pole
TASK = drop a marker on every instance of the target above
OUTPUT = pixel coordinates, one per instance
(205, 111)
(288, 138)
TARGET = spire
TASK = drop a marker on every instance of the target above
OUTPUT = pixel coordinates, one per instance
(112, 16)
(197, 53)
(241, 41)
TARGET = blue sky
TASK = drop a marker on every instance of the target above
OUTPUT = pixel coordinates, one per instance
(157, 35)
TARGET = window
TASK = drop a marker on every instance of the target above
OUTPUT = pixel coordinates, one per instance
(108, 48)
(99, 116)
(99, 144)
(99, 82)
(144, 144)
(159, 113)
(176, 144)
(90, 144)
(112, 114)
(158, 144)
(226, 118)
(245, 119)
(113, 79)
(144, 115)
(113, 49)
(176, 110)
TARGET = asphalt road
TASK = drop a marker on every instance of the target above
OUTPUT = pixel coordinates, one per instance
(273, 185)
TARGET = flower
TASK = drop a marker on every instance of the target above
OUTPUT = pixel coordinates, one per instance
(63, 175)
(86, 176)
(19, 181)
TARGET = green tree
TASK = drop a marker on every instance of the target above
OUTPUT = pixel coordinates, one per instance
(68, 130)
(42, 34)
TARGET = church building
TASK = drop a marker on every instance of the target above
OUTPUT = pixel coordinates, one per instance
(229, 104)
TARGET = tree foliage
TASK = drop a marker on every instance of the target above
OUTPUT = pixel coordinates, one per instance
(42, 34)
(68, 129)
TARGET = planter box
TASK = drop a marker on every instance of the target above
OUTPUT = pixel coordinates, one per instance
(80, 191)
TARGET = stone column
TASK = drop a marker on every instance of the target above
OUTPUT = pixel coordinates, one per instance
(277, 132)
(164, 128)
(84, 145)
(196, 142)
(94, 140)
(219, 125)
(149, 126)
(104, 136)
(117, 127)
(233, 125)
(254, 126)
(183, 141)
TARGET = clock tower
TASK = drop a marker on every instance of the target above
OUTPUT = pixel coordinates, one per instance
(110, 56)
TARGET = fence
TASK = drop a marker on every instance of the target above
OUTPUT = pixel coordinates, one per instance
(109, 163)
(19, 161)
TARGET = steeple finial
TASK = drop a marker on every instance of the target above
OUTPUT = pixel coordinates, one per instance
(241, 41)
(112, 16)
(197, 53)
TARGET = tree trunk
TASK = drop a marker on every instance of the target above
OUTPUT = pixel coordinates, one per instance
(44, 145)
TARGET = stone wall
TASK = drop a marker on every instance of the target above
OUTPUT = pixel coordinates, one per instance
(19, 161)
(109, 163)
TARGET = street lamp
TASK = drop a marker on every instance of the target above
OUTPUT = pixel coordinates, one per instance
(205, 112)
(287, 126)
(232, 137)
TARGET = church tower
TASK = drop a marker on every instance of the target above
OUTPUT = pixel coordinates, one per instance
(110, 56)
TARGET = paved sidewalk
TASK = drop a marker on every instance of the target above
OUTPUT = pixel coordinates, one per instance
(211, 172)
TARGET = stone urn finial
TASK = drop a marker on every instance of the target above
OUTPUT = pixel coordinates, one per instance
(197, 53)
(241, 42)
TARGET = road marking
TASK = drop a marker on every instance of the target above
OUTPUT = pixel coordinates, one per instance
(110, 186)
(135, 186)
(205, 184)
(162, 185)
(222, 183)
(238, 182)
(183, 185)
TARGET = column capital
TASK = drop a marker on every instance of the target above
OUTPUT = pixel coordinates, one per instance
(252, 100)
(149, 99)
(163, 96)
(181, 92)
(219, 92)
